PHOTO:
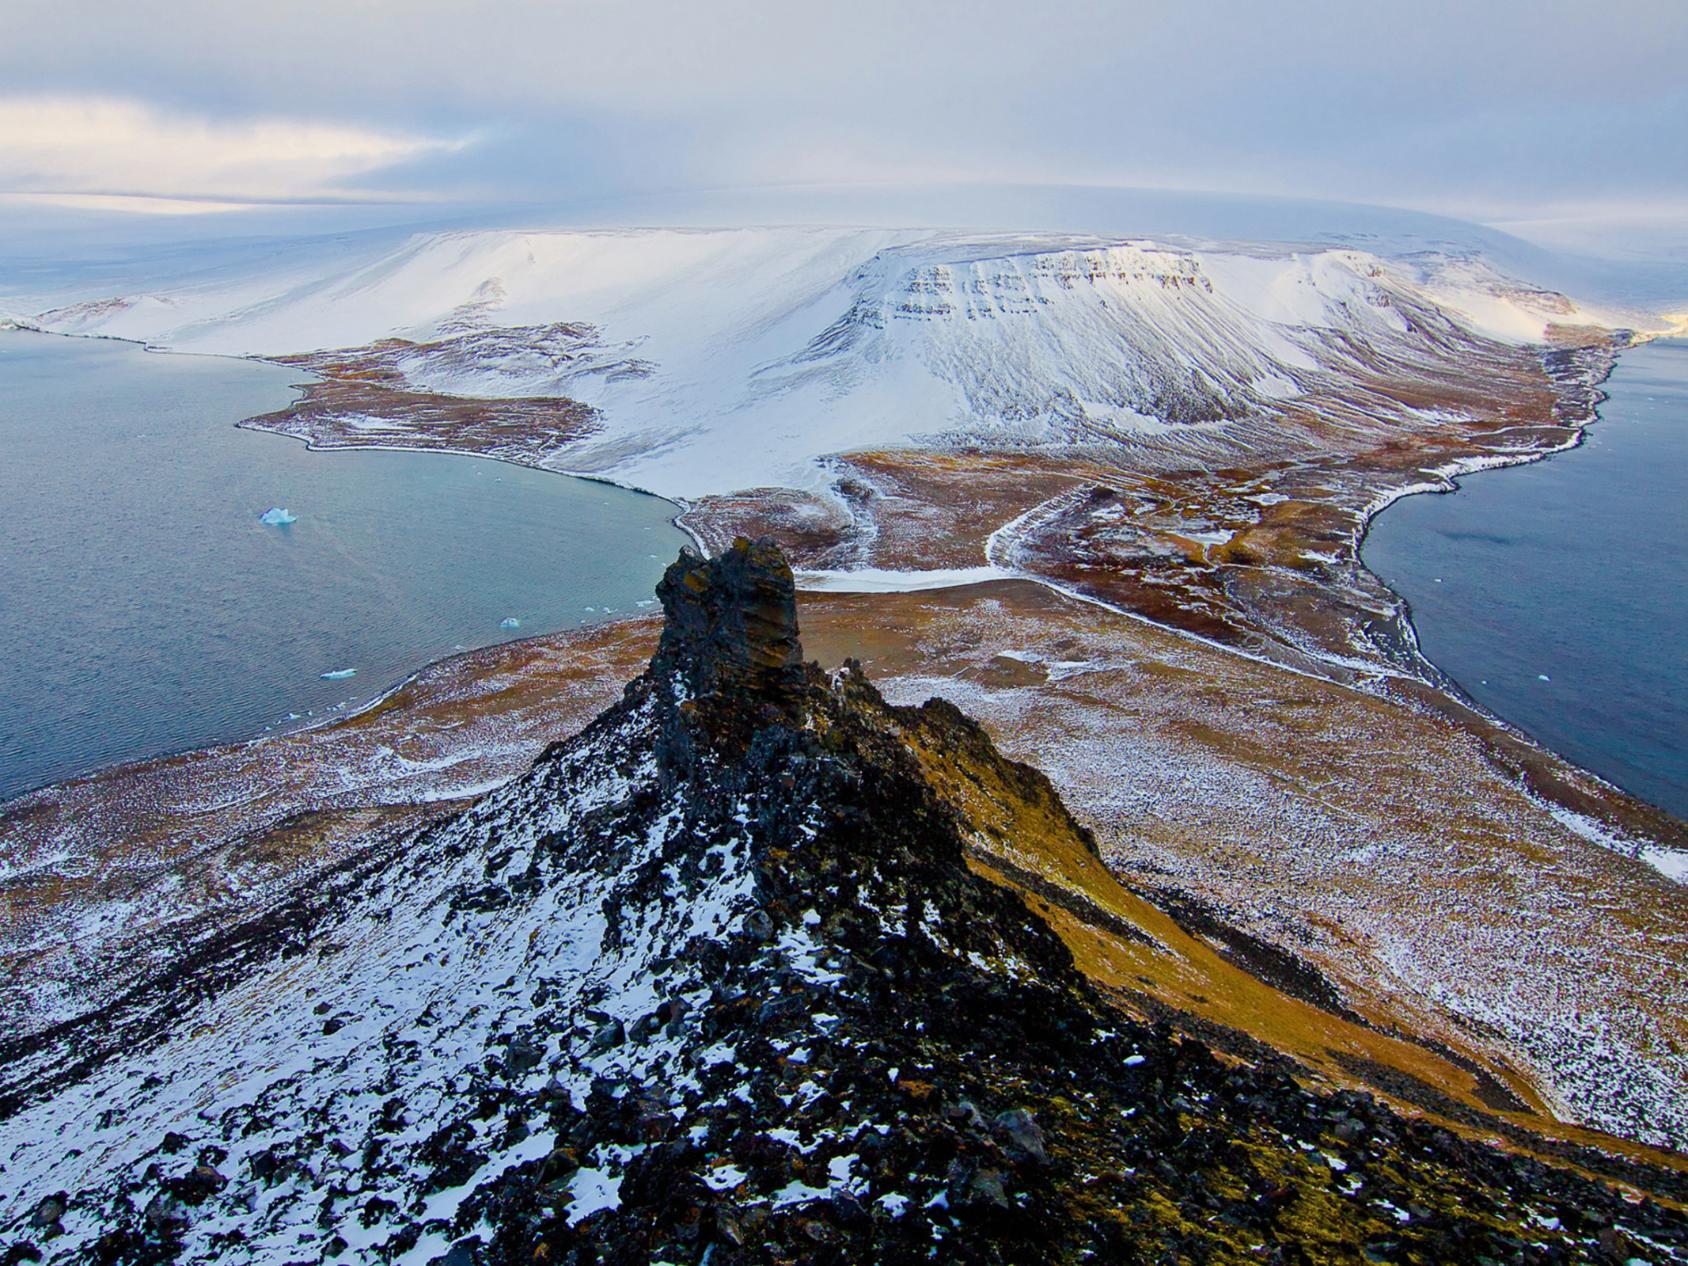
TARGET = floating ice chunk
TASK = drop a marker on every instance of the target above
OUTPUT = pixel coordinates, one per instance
(277, 516)
(340, 674)
(1543, 677)
(509, 622)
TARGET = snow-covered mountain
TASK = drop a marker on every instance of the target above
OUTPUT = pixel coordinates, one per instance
(715, 982)
(725, 359)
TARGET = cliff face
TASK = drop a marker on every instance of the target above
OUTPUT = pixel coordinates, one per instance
(716, 982)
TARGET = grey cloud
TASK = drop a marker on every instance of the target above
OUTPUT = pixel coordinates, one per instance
(1498, 107)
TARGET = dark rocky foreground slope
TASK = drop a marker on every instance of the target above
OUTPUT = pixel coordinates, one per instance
(715, 982)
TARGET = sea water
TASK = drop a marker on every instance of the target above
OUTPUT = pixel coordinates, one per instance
(1556, 594)
(146, 606)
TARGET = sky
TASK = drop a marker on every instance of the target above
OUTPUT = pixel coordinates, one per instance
(1542, 112)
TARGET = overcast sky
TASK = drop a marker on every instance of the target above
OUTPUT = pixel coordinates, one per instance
(1489, 109)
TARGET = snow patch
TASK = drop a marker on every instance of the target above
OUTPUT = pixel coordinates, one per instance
(881, 580)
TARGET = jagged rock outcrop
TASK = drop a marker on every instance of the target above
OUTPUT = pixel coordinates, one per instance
(729, 634)
(715, 982)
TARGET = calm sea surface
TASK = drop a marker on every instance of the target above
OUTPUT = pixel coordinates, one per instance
(1556, 594)
(144, 608)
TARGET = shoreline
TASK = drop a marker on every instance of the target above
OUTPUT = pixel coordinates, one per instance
(1447, 480)
(247, 424)
(309, 725)
(681, 508)
(1444, 481)
(328, 714)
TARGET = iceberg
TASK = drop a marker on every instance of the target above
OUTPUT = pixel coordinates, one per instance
(509, 622)
(277, 516)
(340, 674)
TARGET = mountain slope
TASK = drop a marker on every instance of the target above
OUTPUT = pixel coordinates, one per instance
(715, 981)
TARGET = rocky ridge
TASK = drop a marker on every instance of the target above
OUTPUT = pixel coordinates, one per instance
(715, 981)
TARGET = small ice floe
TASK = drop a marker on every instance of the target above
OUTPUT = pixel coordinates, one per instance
(340, 674)
(277, 516)
(1543, 677)
(509, 622)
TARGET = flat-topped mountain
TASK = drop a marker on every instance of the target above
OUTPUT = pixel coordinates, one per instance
(721, 979)
(700, 362)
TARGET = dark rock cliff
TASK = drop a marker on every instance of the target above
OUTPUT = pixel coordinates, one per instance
(730, 625)
(729, 638)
